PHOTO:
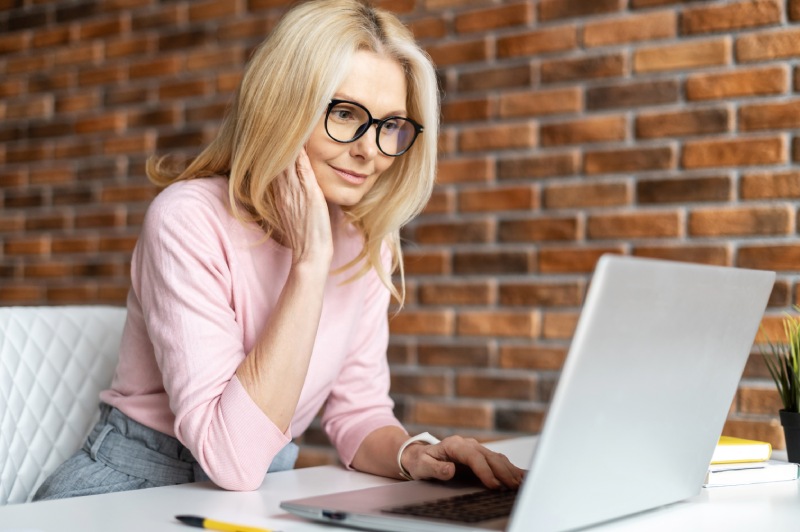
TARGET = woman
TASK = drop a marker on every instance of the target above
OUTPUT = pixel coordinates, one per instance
(261, 279)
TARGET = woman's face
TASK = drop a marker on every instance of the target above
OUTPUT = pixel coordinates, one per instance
(346, 172)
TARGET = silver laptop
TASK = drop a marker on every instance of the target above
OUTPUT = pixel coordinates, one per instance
(651, 373)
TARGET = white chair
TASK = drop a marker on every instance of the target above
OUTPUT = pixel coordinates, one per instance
(53, 363)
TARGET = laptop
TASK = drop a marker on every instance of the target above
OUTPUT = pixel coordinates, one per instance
(645, 389)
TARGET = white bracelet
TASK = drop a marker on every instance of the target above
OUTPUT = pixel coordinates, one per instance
(419, 438)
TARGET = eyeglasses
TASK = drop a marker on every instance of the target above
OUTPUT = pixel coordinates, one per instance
(347, 121)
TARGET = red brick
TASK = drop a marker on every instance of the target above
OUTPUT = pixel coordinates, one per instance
(684, 189)
(741, 151)
(547, 358)
(462, 293)
(750, 82)
(212, 10)
(493, 262)
(714, 255)
(527, 421)
(107, 122)
(459, 52)
(584, 68)
(752, 400)
(122, 243)
(646, 27)
(473, 231)
(535, 103)
(426, 262)
(14, 42)
(681, 123)
(101, 28)
(541, 294)
(632, 94)
(440, 202)
(165, 66)
(558, 9)
(521, 388)
(85, 53)
(539, 166)
(21, 294)
(428, 28)
(593, 129)
(505, 324)
(495, 78)
(49, 37)
(556, 39)
(768, 45)
(101, 75)
(540, 229)
(27, 246)
(737, 15)
(420, 384)
(581, 195)
(741, 221)
(452, 415)
(211, 60)
(573, 260)
(779, 185)
(466, 110)
(559, 325)
(784, 115)
(498, 199)
(493, 18)
(470, 355)
(683, 56)
(649, 224)
(465, 170)
(628, 160)
(499, 137)
(418, 322)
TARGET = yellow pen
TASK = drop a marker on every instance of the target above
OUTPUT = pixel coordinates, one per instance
(210, 524)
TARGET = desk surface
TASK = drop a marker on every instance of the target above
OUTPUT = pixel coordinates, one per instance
(774, 506)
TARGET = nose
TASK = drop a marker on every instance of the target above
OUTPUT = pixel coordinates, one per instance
(366, 146)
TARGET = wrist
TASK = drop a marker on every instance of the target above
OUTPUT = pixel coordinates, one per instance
(425, 439)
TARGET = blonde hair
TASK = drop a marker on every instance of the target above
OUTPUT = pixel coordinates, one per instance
(282, 96)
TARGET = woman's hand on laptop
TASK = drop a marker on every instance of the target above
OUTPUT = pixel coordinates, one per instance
(444, 460)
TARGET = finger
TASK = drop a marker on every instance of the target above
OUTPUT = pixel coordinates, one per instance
(427, 464)
(493, 469)
(506, 472)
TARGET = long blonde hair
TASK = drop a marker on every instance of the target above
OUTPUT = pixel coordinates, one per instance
(282, 96)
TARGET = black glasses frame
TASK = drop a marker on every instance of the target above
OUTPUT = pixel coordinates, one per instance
(369, 123)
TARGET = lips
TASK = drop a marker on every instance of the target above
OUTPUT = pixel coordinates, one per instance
(349, 176)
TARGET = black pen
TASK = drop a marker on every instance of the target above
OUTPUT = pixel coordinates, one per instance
(210, 524)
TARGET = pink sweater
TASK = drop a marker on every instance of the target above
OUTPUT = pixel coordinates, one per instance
(203, 286)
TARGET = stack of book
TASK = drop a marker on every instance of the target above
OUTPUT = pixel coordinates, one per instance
(739, 461)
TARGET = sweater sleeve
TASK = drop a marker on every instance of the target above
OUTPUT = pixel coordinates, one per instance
(359, 402)
(183, 281)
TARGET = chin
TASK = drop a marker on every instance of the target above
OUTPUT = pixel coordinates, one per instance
(343, 199)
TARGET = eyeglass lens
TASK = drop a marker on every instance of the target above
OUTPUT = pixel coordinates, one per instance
(346, 122)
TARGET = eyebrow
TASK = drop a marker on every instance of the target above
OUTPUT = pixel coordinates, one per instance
(398, 112)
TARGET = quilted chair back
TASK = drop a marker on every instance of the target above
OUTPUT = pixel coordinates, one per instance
(53, 363)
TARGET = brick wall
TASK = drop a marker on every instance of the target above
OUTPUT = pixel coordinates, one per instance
(571, 128)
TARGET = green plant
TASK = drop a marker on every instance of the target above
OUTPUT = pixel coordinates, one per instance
(783, 362)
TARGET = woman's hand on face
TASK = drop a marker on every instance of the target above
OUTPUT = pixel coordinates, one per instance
(305, 215)
(441, 461)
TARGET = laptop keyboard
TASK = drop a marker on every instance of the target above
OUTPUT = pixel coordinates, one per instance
(469, 508)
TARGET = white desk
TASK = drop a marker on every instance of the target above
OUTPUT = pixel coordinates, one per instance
(774, 507)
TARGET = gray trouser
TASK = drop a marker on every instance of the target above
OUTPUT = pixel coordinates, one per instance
(121, 455)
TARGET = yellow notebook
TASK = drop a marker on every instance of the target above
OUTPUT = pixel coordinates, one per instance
(731, 450)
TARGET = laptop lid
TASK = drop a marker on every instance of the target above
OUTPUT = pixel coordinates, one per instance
(644, 392)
